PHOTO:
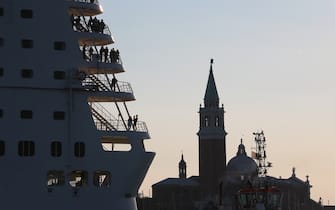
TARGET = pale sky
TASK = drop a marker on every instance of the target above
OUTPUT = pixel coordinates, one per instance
(274, 71)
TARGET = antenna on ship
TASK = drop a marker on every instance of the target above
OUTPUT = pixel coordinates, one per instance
(260, 154)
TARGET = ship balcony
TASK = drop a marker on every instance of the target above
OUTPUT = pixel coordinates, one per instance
(91, 32)
(84, 7)
(96, 64)
(110, 126)
(103, 89)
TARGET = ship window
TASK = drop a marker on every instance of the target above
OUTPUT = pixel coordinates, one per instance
(217, 121)
(59, 75)
(58, 115)
(26, 114)
(101, 178)
(1, 72)
(78, 178)
(59, 45)
(1, 11)
(26, 13)
(2, 148)
(112, 147)
(27, 73)
(56, 148)
(79, 149)
(27, 43)
(26, 148)
(55, 178)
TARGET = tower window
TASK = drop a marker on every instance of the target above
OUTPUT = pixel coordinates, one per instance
(79, 149)
(59, 45)
(217, 121)
(26, 148)
(26, 114)
(27, 43)
(27, 13)
(1, 11)
(1, 113)
(101, 178)
(59, 115)
(56, 148)
(206, 121)
(1, 42)
(59, 75)
(27, 73)
(2, 148)
(1, 72)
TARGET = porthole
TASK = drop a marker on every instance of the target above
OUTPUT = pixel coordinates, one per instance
(55, 178)
(56, 148)
(27, 43)
(102, 178)
(27, 73)
(79, 149)
(59, 115)
(26, 148)
(59, 45)
(59, 75)
(27, 13)
(2, 148)
(78, 178)
(26, 114)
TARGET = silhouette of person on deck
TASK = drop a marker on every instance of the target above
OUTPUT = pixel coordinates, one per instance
(130, 122)
(135, 122)
(114, 81)
(102, 51)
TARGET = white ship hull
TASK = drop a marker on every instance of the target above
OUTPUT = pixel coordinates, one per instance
(58, 143)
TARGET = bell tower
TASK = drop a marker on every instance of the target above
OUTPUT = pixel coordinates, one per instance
(212, 139)
(182, 168)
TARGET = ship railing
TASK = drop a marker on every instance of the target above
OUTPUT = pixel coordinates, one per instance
(99, 83)
(105, 121)
(88, 1)
(119, 126)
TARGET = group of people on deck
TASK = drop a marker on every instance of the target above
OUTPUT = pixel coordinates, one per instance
(104, 55)
(93, 24)
(132, 122)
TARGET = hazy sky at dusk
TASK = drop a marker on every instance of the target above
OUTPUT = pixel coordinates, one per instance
(274, 70)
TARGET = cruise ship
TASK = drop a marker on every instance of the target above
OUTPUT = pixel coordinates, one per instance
(67, 138)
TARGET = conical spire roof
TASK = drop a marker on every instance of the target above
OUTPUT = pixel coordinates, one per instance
(211, 95)
(182, 161)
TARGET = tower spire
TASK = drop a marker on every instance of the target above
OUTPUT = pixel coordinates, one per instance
(212, 139)
(211, 95)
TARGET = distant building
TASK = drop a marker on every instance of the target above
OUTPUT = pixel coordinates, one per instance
(218, 184)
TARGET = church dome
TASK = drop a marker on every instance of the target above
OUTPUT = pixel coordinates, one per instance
(241, 167)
